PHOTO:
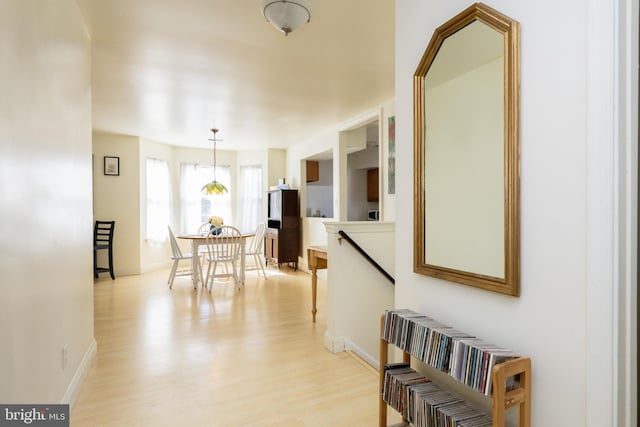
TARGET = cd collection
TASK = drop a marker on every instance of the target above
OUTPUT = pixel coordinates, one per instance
(464, 357)
(425, 404)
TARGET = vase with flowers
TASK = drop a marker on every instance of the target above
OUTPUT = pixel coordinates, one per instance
(215, 223)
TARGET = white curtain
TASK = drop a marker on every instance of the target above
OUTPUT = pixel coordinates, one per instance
(158, 199)
(195, 206)
(250, 197)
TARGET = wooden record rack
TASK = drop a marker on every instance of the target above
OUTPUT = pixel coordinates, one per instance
(503, 389)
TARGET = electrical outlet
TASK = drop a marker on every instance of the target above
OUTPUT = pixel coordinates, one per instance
(64, 357)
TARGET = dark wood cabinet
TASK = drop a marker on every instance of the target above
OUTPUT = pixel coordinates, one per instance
(282, 238)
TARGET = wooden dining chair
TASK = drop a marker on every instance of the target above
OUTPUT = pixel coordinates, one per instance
(223, 247)
(103, 240)
(177, 255)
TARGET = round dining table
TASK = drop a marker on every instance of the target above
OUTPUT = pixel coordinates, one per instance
(201, 239)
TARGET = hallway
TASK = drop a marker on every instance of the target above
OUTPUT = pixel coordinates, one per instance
(250, 357)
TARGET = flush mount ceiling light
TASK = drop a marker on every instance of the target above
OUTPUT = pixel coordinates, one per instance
(214, 187)
(287, 15)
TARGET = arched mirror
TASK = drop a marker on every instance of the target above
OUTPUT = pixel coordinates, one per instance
(466, 148)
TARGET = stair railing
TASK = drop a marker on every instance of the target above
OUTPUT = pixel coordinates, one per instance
(362, 252)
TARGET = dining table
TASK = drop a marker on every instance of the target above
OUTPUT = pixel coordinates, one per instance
(199, 239)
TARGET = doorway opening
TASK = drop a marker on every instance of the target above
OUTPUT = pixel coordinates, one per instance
(319, 185)
(360, 196)
(363, 177)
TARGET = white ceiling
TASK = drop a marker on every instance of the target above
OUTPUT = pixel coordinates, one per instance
(170, 70)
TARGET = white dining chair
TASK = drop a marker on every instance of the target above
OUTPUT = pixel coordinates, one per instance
(202, 250)
(204, 229)
(255, 250)
(223, 247)
(177, 255)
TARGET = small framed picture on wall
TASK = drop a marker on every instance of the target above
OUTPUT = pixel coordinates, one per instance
(111, 166)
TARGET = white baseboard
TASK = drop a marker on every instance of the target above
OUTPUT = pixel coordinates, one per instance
(333, 344)
(339, 344)
(154, 267)
(350, 346)
(71, 394)
(303, 266)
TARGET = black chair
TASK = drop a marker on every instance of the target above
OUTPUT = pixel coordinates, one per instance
(103, 239)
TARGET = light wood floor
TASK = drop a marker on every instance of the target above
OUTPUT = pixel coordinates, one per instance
(252, 357)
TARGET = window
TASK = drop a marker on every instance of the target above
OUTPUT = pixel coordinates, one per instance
(250, 197)
(195, 206)
(158, 199)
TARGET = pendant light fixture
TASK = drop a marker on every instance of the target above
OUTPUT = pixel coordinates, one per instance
(214, 187)
(287, 15)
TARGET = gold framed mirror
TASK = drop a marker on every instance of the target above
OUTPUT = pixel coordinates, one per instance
(466, 152)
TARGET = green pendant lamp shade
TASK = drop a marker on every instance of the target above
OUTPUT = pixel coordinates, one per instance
(214, 187)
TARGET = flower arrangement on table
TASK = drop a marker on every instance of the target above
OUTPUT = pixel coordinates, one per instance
(215, 221)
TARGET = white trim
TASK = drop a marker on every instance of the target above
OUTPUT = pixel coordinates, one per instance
(362, 119)
(333, 344)
(350, 346)
(611, 306)
(154, 267)
(340, 344)
(600, 216)
(361, 226)
(626, 215)
(73, 389)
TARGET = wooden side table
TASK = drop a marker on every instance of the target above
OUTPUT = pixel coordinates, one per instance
(317, 259)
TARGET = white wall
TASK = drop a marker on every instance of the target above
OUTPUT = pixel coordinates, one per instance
(45, 201)
(548, 321)
(320, 143)
(364, 159)
(117, 198)
(357, 293)
(277, 166)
